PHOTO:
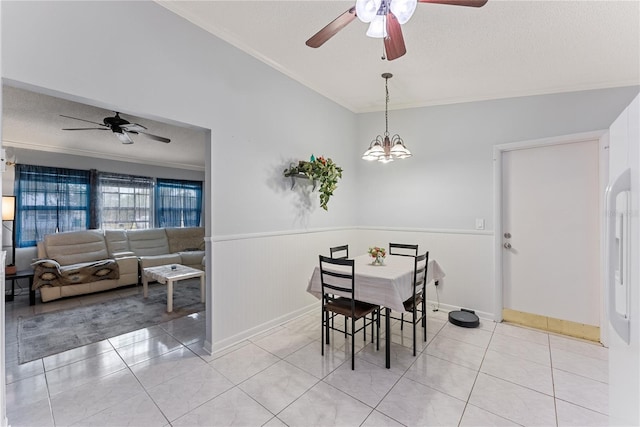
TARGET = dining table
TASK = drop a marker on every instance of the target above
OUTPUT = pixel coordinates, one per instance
(387, 285)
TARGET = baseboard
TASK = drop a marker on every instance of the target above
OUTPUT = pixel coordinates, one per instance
(222, 345)
(431, 305)
(550, 324)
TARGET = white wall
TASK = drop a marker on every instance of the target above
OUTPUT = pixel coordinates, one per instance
(3, 387)
(465, 256)
(448, 182)
(261, 120)
(182, 73)
(61, 160)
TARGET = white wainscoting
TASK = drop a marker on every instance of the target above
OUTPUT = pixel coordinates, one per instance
(466, 256)
(260, 281)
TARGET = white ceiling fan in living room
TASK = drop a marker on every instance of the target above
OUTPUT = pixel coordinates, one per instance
(120, 127)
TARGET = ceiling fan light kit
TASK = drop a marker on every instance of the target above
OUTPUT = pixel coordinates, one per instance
(385, 18)
(123, 137)
(375, 11)
(366, 10)
(377, 28)
(403, 9)
(384, 148)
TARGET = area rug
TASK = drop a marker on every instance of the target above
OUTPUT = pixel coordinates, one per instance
(45, 334)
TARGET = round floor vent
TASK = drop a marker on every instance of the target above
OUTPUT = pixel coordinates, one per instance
(465, 318)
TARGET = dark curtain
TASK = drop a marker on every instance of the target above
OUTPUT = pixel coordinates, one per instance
(94, 203)
(49, 200)
(178, 203)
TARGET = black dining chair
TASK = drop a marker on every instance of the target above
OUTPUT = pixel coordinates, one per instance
(403, 249)
(417, 303)
(339, 252)
(338, 276)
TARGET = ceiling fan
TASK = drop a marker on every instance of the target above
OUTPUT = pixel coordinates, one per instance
(385, 18)
(121, 128)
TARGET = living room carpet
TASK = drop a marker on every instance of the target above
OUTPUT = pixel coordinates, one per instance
(45, 334)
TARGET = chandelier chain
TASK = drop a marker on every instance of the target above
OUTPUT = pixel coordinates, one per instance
(383, 148)
(386, 107)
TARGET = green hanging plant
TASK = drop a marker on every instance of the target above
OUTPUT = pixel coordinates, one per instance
(321, 170)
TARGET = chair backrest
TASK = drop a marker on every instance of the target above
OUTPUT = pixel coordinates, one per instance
(337, 275)
(403, 249)
(336, 252)
(420, 273)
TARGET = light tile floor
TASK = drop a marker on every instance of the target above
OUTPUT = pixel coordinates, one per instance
(498, 374)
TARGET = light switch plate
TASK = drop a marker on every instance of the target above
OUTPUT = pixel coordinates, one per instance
(479, 224)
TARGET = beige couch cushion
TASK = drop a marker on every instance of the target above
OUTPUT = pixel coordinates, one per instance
(152, 241)
(41, 250)
(192, 259)
(73, 247)
(117, 241)
(183, 239)
(156, 260)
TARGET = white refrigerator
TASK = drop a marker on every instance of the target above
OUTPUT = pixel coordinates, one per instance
(622, 234)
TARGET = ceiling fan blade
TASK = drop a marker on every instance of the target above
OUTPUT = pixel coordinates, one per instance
(394, 42)
(470, 3)
(88, 121)
(155, 137)
(86, 129)
(332, 28)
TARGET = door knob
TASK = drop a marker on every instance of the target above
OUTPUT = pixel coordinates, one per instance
(507, 245)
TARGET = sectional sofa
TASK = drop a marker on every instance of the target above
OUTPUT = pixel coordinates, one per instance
(81, 262)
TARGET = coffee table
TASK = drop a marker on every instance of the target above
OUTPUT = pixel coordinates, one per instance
(168, 274)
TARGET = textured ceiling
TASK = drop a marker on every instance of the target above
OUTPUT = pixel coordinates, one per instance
(454, 54)
(32, 120)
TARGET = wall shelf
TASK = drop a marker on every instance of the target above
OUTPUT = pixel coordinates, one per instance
(299, 176)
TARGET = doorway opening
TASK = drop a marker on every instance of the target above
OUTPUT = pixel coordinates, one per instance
(32, 134)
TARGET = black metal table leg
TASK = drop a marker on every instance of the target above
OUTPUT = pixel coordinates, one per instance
(387, 325)
(13, 291)
(32, 293)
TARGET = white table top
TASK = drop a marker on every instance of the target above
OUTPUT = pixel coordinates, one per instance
(387, 285)
(162, 273)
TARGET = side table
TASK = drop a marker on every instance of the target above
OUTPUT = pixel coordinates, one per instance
(24, 274)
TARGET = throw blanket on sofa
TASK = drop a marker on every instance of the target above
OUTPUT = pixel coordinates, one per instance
(48, 272)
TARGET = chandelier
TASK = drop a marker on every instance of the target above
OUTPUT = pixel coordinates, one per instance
(384, 148)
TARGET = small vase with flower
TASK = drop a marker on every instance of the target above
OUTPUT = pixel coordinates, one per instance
(378, 255)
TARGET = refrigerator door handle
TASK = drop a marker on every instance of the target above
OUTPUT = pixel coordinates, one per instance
(621, 323)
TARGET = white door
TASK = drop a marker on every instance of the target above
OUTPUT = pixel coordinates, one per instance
(550, 223)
